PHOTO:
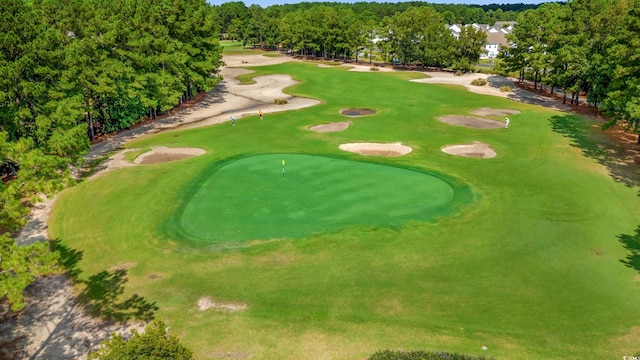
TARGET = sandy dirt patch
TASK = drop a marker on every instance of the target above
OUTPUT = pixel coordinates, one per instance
(162, 154)
(240, 100)
(494, 112)
(355, 112)
(331, 127)
(363, 67)
(475, 150)
(206, 302)
(360, 67)
(471, 122)
(377, 149)
(493, 86)
(54, 325)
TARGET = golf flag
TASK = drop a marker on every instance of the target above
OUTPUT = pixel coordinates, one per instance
(282, 162)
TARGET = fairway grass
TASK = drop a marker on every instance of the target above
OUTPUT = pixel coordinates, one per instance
(520, 253)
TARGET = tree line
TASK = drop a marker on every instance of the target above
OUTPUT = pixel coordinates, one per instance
(583, 47)
(71, 70)
(235, 17)
(415, 35)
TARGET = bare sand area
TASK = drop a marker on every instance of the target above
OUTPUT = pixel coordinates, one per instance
(475, 150)
(494, 112)
(162, 154)
(377, 149)
(471, 122)
(495, 85)
(331, 127)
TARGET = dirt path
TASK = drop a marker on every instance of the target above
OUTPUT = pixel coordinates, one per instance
(53, 324)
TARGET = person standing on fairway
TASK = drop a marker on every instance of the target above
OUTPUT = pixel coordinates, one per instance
(506, 122)
(233, 120)
(260, 114)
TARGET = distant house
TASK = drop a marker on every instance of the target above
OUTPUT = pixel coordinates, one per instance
(455, 30)
(496, 36)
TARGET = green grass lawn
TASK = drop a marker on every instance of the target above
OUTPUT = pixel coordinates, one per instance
(523, 253)
(264, 197)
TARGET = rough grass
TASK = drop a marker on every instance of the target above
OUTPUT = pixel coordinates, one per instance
(532, 268)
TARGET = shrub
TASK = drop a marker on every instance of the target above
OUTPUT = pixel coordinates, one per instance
(374, 68)
(479, 82)
(281, 101)
(154, 343)
(505, 88)
(458, 73)
(423, 355)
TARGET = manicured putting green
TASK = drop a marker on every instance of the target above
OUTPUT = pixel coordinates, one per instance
(250, 198)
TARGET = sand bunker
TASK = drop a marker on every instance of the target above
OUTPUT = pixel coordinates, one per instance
(331, 127)
(494, 112)
(475, 150)
(357, 112)
(206, 302)
(471, 121)
(377, 149)
(161, 154)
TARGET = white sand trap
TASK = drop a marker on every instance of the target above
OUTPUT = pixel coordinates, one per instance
(471, 122)
(494, 112)
(475, 150)
(377, 149)
(331, 127)
(207, 302)
(161, 154)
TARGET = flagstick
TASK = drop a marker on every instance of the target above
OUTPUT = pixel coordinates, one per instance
(282, 167)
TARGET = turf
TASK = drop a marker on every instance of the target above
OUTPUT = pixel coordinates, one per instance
(291, 196)
(537, 263)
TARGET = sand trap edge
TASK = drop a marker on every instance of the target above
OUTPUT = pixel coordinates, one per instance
(162, 154)
(377, 149)
(475, 150)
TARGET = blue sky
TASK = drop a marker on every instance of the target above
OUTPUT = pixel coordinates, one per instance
(266, 3)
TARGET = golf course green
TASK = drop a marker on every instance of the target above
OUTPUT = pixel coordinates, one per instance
(525, 255)
(256, 198)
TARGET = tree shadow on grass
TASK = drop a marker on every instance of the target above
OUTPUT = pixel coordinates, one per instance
(102, 293)
(54, 323)
(102, 297)
(587, 135)
(631, 243)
